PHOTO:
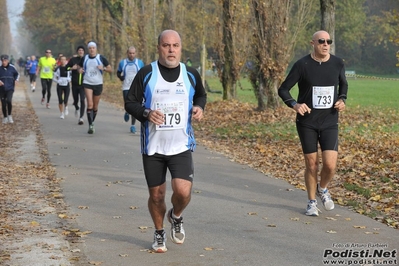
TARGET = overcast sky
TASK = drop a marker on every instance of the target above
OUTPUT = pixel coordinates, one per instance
(15, 8)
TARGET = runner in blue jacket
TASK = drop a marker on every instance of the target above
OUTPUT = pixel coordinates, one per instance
(8, 76)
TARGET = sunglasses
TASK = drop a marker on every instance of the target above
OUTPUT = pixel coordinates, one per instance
(322, 41)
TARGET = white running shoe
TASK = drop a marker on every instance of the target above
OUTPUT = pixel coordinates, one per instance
(5, 120)
(159, 244)
(62, 116)
(10, 120)
(311, 209)
(80, 121)
(177, 233)
(66, 110)
(325, 197)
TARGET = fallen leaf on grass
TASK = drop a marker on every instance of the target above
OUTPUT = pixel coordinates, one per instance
(375, 198)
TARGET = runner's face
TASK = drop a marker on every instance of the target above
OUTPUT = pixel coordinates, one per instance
(169, 49)
(81, 52)
(4, 62)
(131, 54)
(323, 49)
(92, 50)
(63, 60)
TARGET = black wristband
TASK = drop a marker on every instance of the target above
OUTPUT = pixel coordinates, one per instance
(146, 113)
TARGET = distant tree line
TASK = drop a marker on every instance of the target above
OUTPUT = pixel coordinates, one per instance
(271, 34)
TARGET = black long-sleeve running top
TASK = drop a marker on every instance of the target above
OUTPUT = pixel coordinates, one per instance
(313, 78)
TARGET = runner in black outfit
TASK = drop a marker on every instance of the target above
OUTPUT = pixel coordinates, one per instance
(322, 94)
(77, 87)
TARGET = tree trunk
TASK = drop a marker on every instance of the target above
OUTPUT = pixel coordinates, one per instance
(273, 100)
(142, 45)
(327, 8)
(272, 46)
(260, 93)
(228, 79)
(169, 21)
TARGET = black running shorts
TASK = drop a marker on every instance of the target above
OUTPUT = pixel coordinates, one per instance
(32, 78)
(97, 89)
(311, 136)
(179, 165)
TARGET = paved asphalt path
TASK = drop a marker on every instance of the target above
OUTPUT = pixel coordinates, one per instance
(237, 216)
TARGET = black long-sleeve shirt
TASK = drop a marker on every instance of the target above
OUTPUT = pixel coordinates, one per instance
(77, 78)
(309, 73)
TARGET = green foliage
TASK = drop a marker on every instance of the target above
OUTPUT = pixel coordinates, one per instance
(366, 33)
(358, 189)
(375, 92)
(350, 34)
(56, 27)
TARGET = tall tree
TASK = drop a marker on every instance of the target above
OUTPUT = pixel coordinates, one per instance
(327, 8)
(5, 31)
(233, 48)
(273, 42)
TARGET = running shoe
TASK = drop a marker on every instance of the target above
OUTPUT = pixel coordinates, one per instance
(177, 233)
(66, 110)
(91, 129)
(312, 209)
(133, 129)
(325, 197)
(42, 101)
(10, 120)
(159, 244)
(5, 120)
(126, 117)
(47, 105)
(62, 116)
(80, 121)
